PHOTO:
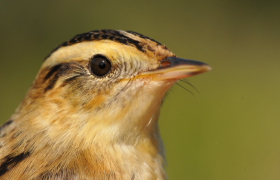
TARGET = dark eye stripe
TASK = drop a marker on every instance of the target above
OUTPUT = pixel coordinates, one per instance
(52, 82)
(62, 69)
(71, 79)
(52, 71)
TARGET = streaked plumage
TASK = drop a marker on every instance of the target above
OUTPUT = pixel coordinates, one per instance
(75, 124)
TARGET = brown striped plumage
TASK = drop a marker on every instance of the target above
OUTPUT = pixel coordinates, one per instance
(77, 124)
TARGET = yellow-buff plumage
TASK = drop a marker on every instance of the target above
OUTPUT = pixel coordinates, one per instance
(92, 111)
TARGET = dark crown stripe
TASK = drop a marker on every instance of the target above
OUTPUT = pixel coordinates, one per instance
(143, 37)
(107, 34)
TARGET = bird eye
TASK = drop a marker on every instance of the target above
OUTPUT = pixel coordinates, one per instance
(100, 66)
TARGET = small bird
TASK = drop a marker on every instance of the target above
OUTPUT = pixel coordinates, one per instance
(92, 111)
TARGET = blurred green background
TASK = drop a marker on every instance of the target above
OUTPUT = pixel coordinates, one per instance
(228, 131)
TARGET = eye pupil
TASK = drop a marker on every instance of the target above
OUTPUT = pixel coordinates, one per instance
(100, 66)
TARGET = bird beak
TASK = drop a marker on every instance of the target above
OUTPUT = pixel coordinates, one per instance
(177, 68)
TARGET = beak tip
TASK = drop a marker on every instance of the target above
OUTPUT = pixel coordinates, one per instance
(207, 67)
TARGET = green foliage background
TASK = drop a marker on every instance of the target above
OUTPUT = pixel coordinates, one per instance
(228, 131)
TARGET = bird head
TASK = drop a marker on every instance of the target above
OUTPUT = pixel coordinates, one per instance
(104, 86)
(97, 98)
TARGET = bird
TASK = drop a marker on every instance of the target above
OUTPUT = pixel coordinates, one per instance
(92, 111)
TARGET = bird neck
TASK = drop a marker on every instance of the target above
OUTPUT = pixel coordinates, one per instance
(124, 143)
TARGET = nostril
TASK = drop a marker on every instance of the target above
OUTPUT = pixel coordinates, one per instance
(165, 64)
